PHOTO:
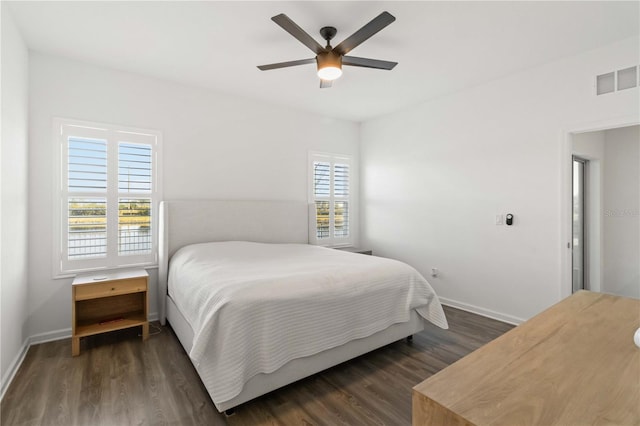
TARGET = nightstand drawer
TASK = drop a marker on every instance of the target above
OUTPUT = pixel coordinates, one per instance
(111, 288)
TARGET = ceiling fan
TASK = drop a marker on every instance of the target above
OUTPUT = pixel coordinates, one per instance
(329, 59)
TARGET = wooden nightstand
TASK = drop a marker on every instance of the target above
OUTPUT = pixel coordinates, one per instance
(107, 302)
(355, 250)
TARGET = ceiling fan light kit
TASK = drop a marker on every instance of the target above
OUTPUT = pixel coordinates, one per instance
(329, 60)
(329, 65)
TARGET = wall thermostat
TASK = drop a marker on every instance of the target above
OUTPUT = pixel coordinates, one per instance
(509, 219)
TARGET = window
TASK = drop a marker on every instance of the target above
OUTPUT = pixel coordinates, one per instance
(331, 197)
(108, 187)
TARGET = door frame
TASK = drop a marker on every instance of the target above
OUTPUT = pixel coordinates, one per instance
(584, 238)
(566, 188)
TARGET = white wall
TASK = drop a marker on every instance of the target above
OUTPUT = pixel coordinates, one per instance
(433, 178)
(215, 146)
(621, 206)
(14, 211)
(590, 146)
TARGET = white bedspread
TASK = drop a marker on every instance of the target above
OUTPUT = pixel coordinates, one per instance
(253, 307)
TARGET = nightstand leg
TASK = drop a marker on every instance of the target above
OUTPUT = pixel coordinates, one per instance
(75, 346)
(145, 331)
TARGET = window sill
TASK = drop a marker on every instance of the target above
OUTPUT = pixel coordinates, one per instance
(73, 274)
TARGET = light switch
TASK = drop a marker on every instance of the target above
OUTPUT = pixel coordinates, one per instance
(509, 219)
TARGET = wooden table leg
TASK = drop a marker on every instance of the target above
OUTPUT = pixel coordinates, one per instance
(75, 346)
(145, 331)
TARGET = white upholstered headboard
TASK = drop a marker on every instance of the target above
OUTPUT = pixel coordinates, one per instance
(199, 221)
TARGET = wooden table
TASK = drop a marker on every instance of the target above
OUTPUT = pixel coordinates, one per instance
(573, 364)
(104, 302)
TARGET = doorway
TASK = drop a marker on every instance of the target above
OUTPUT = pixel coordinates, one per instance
(604, 211)
(578, 254)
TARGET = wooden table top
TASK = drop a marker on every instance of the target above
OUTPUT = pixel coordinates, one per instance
(573, 364)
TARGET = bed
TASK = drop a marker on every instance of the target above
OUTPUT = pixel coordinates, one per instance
(277, 308)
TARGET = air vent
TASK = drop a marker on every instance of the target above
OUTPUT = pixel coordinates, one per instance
(617, 80)
(627, 78)
(606, 83)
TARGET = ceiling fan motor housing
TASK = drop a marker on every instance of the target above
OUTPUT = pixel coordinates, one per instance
(329, 59)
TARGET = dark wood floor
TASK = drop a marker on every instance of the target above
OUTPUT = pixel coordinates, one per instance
(118, 380)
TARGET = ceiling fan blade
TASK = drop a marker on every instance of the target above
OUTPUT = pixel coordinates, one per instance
(355, 39)
(286, 64)
(368, 63)
(325, 84)
(292, 28)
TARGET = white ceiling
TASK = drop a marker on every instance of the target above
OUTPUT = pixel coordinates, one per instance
(441, 47)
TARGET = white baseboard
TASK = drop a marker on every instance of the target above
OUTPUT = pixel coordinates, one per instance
(13, 368)
(510, 319)
(50, 336)
(36, 339)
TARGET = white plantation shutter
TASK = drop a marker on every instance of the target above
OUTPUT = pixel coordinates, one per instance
(135, 175)
(330, 193)
(322, 197)
(321, 179)
(87, 164)
(87, 215)
(341, 200)
(135, 167)
(134, 226)
(109, 194)
(87, 231)
(341, 180)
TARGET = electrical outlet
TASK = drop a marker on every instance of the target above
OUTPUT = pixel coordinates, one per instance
(499, 219)
(434, 272)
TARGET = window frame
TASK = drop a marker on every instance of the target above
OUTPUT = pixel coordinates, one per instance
(332, 240)
(114, 134)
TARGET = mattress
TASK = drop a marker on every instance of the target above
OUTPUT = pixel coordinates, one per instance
(253, 307)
